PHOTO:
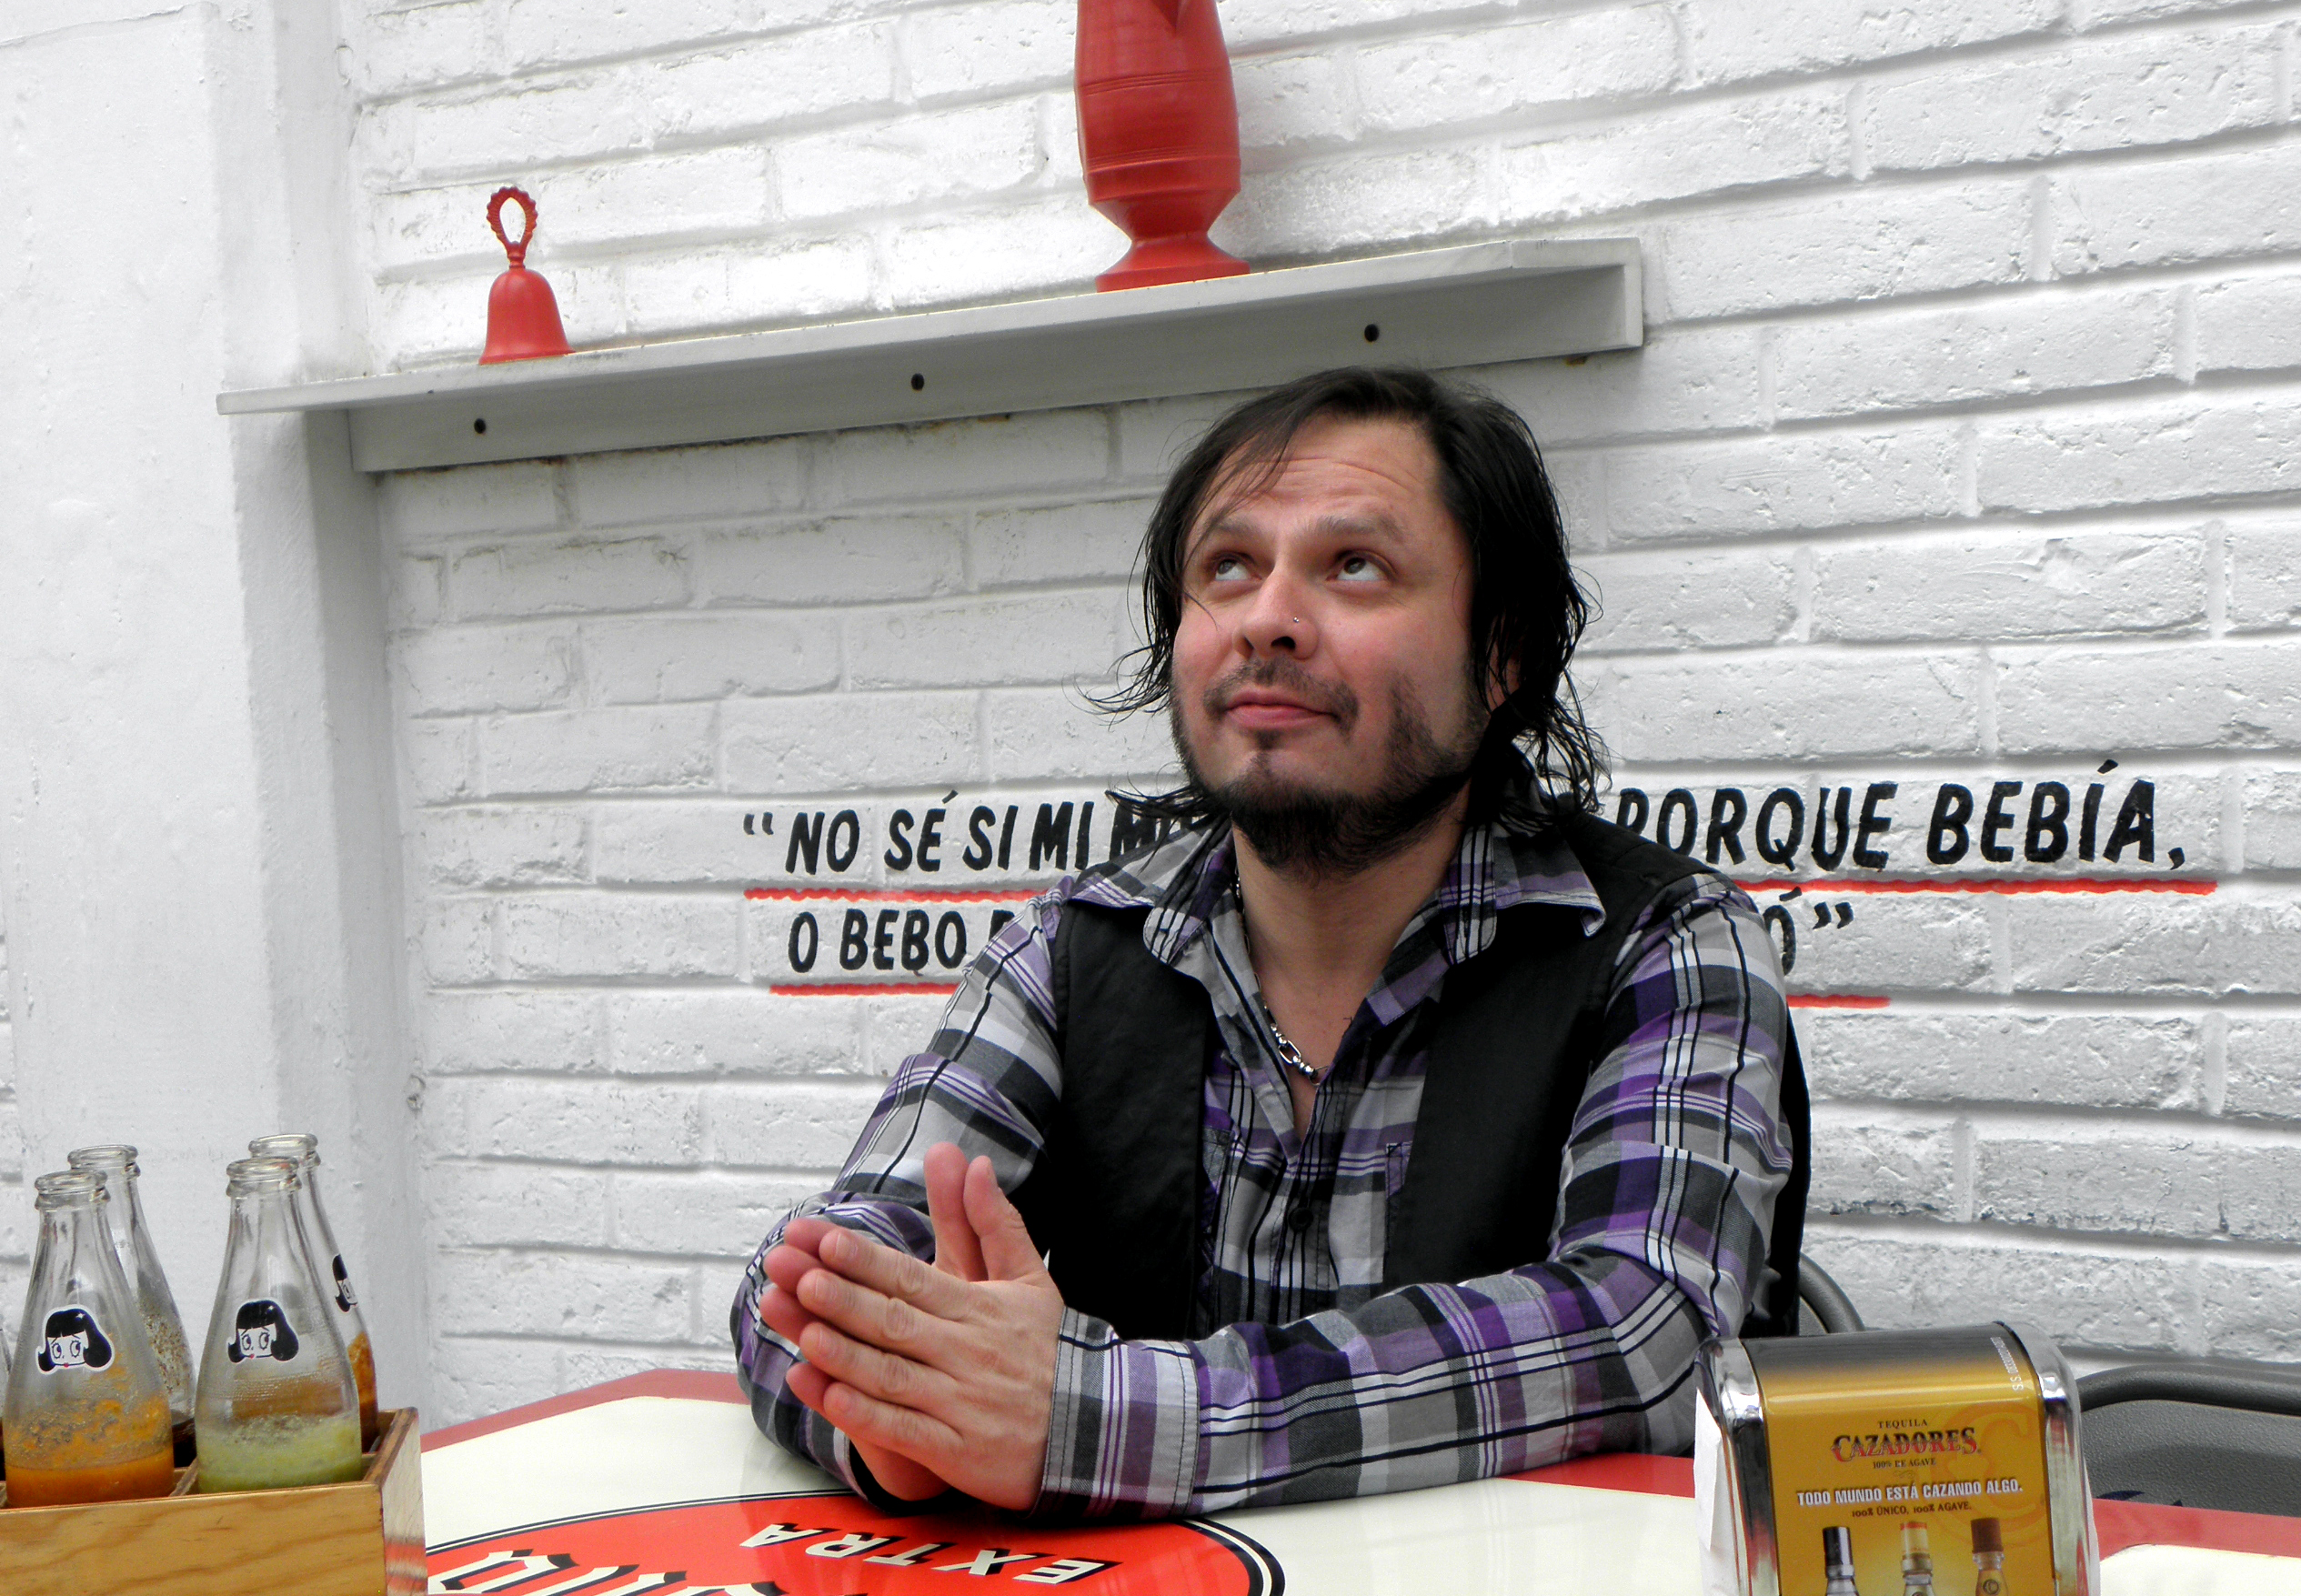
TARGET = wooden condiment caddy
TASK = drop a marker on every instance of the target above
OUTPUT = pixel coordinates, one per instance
(362, 1538)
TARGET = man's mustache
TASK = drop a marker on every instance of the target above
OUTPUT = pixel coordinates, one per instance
(1282, 673)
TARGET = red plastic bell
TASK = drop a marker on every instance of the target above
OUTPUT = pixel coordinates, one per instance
(523, 319)
(1158, 134)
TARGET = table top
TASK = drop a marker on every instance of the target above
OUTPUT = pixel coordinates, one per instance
(661, 1484)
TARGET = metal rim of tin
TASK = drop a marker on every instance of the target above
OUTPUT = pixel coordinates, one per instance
(1729, 1384)
(2068, 1498)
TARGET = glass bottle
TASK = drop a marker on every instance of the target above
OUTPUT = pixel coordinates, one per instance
(1837, 1560)
(141, 1264)
(276, 1404)
(1989, 1558)
(303, 1150)
(87, 1417)
(1918, 1560)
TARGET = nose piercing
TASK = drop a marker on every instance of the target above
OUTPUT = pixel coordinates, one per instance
(1295, 621)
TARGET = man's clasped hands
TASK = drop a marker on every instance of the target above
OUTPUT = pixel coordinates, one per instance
(940, 1374)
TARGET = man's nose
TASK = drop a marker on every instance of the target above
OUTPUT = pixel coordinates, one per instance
(1282, 616)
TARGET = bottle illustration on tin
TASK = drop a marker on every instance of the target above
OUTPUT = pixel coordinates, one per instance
(303, 1150)
(86, 1413)
(1918, 1560)
(276, 1404)
(1837, 1557)
(1989, 1558)
(140, 1263)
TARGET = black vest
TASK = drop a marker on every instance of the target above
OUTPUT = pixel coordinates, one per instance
(1114, 1198)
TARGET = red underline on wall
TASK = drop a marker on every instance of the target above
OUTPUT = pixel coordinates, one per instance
(866, 988)
(893, 894)
(1985, 884)
(1835, 1001)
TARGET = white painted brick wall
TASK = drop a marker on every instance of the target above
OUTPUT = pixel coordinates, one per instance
(17, 1231)
(1962, 453)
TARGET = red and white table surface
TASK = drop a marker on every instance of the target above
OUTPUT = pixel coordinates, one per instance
(659, 1483)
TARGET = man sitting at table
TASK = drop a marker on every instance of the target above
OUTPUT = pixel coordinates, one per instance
(1394, 1123)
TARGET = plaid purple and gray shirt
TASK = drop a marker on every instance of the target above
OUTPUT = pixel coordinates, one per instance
(1305, 1380)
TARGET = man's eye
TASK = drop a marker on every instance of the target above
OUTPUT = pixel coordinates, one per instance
(1357, 567)
(1227, 567)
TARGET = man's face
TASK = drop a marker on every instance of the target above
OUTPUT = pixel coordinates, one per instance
(1321, 659)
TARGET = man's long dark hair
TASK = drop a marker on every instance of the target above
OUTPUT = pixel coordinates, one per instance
(1525, 608)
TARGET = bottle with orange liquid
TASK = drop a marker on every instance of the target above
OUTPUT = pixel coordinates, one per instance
(86, 1414)
(303, 1150)
(277, 1405)
(140, 1262)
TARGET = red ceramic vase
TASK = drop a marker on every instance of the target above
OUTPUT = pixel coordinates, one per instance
(1158, 134)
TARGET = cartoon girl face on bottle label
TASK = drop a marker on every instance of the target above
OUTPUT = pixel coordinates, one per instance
(72, 1338)
(261, 1330)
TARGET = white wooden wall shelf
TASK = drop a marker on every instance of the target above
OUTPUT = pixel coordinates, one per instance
(1513, 299)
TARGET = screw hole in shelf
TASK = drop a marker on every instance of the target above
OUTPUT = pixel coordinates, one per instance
(479, 424)
(1373, 332)
(917, 381)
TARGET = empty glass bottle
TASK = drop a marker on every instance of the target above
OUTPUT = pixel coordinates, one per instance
(303, 1150)
(277, 1405)
(86, 1414)
(141, 1264)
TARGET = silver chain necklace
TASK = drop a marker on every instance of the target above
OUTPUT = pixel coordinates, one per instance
(1289, 1054)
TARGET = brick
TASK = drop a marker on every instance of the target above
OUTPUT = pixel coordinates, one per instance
(1312, 210)
(644, 202)
(1834, 248)
(1037, 454)
(789, 1125)
(2251, 325)
(740, 88)
(571, 1122)
(553, 32)
(568, 574)
(2090, 1295)
(591, 1366)
(1684, 380)
(620, 935)
(2273, 820)
(663, 658)
(989, 48)
(1727, 40)
(423, 507)
(1434, 80)
(2110, 1061)
(417, 592)
(766, 283)
(1060, 543)
(1659, 601)
(1289, 22)
(1286, 102)
(514, 1205)
(2031, 343)
(473, 1377)
(1895, 944)
(522, 846)
(693, 843)
(1868, 1162)
(591, 750)
(2265, 578)
(1971, 587)
(11, 1124)
(591, 113)
(1675, 154)
(833, 742)
(1784, 482)
(869, 558)
(746, 1033)
(2125, 92)
(1044, 733)
(485, 1033)
(1155, 434)
(1057, 637)
(2160, 213)
(2252, 1307)
(709, 1216)
(2147, 943)
(2199, 695)
(438, 758)
(2208, 447)
(634, 487)
(1824, 705)
(931, 156)
(1020, 247)
(610, 1298)
(455, 941)
(394, 52)
(453, 670)
(897, 1025)
(2170, 1181)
